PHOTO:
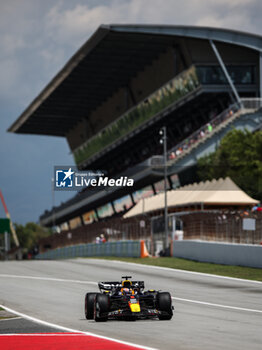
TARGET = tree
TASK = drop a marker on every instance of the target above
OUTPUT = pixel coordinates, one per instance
(239, 156)
(29, 234)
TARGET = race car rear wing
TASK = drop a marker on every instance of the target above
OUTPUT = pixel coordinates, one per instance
(108, 286)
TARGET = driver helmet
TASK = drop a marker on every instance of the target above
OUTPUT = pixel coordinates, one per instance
(126, 291)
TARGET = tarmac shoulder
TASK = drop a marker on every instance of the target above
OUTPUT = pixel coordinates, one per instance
(13, 324)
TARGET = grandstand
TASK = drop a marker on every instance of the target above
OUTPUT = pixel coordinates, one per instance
(125, 83)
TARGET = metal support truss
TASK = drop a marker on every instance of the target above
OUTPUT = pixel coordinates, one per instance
(219, 58)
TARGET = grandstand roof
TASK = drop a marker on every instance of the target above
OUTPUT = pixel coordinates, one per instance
(106, 62)
(215, 192)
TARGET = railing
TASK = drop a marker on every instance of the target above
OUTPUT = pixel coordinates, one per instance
(169, 93)
(213, 75)
(251, 103)
(200, 134)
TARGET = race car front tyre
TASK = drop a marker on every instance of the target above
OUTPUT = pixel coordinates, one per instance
(89, 305)
(101, 307)
(164, 303)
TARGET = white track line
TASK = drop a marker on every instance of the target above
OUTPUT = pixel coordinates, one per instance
(217, 305)
(175, 298)
(48, 279)
(53, 325)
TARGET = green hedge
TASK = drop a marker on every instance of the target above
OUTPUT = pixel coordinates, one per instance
(171, 92)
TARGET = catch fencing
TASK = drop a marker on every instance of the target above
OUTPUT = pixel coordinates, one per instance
(222, 226)
(205, 225)
(116, 229)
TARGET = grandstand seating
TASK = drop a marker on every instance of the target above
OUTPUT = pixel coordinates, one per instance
(170, 93)
(220, 124)
(202, 145)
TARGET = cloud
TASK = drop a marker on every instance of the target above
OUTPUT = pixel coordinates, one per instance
(70, 25)
(10, 44)
(10, 71)
(78, 22)
(39, 37)
(236, 14)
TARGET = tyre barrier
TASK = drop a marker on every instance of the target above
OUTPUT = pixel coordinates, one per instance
(133, 249)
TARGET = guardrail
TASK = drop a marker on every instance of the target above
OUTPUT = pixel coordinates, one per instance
(169, 93)
(251, 103)
(118, 248)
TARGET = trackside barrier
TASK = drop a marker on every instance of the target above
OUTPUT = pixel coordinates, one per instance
(219, 253)
(119, 248)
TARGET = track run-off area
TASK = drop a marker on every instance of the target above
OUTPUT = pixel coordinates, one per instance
(211, 312)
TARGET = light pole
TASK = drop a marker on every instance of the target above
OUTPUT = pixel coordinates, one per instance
(53, 201)
(163, 141)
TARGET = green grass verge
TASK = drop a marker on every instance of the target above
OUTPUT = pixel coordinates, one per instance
(5, 316)
(249, 273)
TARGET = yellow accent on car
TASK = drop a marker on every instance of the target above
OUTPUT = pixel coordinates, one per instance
(126, 283)
(135, 307)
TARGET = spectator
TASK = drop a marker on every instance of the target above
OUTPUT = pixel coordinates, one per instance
(179, 151)
(102, 238)
(202, 133)
(209, 127)
(186, 144)
(254, 208)
(259, 208)
(172, 155)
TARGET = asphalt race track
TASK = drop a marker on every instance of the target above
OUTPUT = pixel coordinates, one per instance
(210, 312)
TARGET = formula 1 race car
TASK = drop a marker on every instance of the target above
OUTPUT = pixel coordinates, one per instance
(127, 300)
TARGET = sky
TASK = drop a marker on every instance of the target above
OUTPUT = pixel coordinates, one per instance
(37, 38)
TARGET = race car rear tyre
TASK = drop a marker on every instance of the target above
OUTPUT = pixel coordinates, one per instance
(89, 305)
(164, 303)
(101, 307)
